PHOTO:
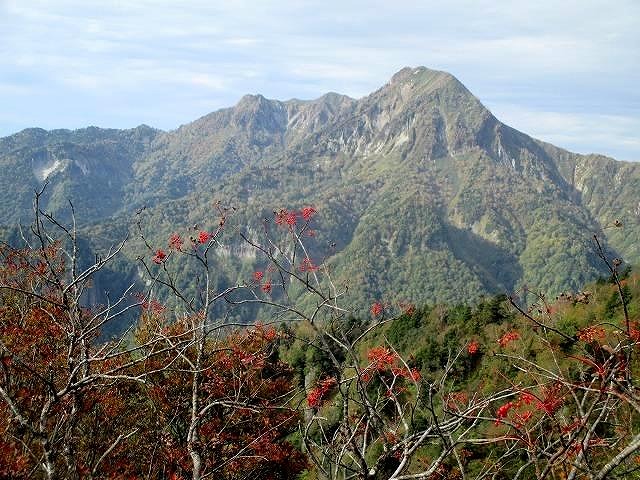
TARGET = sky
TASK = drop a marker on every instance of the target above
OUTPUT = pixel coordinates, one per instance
(565, 72)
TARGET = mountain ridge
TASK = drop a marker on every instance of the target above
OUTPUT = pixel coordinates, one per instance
(417, 183)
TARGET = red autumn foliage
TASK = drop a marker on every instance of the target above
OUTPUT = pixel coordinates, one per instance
(634, 331)
(204, 394)
(318, 394)
(381, 358)
(407, 308)
(521, 418)
(286, 218)
(49, 401)
(503, 411)
(175, 242)
(159, 257)
(204, 236)
(551, 398)
(307, 213)
(386, 363)
(307, 265)
(241, 390)
(376, 309)
(589, 334)
(508, 337)
(527, 398)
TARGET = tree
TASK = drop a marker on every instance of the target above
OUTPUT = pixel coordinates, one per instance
(224, 396)
(380, 418)
(56, 378)
(70, 395)
(191, 393)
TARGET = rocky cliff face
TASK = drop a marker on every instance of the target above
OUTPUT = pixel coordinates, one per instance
(92, 167)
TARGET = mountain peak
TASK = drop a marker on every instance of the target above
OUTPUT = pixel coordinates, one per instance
(410, 84)
(333, 97)
(253, 101)
(421, 75)
(416, 177)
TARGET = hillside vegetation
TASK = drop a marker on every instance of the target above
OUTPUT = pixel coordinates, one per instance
(417, 184)
(497, 388)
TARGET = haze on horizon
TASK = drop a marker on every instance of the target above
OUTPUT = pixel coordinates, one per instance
(566, 74)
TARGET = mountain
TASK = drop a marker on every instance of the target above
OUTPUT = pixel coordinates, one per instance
(91, 167)
(426, 195)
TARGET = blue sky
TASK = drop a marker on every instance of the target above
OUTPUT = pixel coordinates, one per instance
(566, 72)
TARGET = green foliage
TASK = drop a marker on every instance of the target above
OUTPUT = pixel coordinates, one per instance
(404, 329)
(423, 195)
(492, 310)
(613, 305)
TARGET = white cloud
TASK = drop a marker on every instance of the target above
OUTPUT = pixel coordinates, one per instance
(14, 89)
(241, 41)
(544, 56)
(213, 82)
(579, 132)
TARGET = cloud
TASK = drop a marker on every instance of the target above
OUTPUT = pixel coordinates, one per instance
(580, 132)
(572, 57)
(241, 41)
